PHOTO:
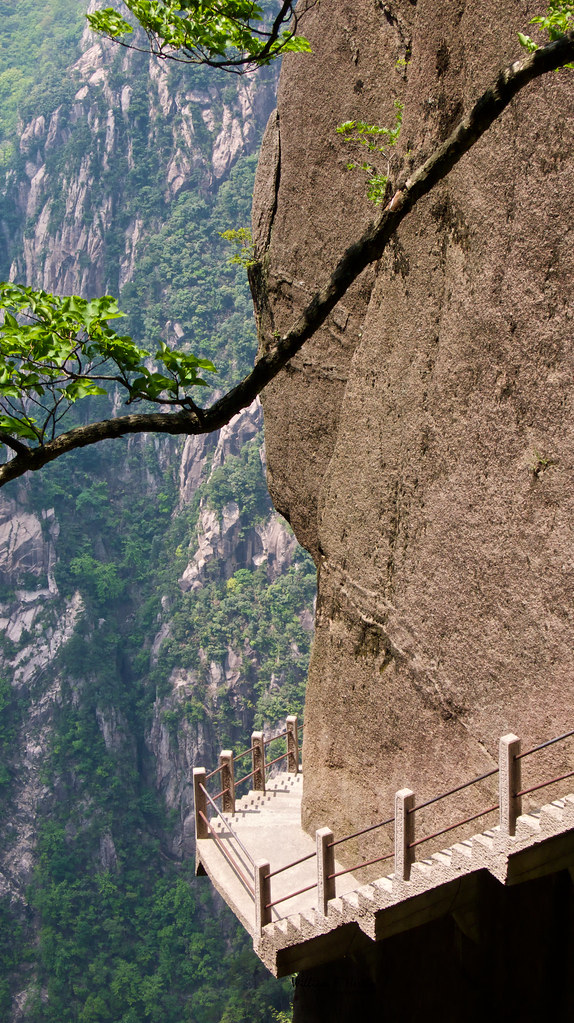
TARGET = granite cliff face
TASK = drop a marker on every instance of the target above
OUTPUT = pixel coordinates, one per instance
(422, 444)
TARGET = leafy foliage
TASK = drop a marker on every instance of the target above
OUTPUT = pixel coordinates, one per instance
(36, 42)
(131, 941)
(183, 277)
(558, 20)
(9, 719)
(225, 33)
(139, 939)
(65, 350)
(240, 479)
(265, 623)
(241, 238)
(377, 140)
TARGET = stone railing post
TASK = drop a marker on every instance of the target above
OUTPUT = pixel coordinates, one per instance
(325, 867)
(227, 776)
(292, 744)
(200, 802)
(262, 895)
(404, 833)
(258, 761)
(509, 775)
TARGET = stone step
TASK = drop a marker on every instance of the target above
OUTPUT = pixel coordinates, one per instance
(488, 849)
(280, 928)
(527, 824)
(482, 847)
(420, 871)
(308, 922)
(461, 855)
(444, 857)
(335, 909)
(367, 898)
(383, 891)
(551, 815)
(351, 901)
(569, 810)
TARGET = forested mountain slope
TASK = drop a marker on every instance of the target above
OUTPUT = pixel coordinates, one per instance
(153, 607)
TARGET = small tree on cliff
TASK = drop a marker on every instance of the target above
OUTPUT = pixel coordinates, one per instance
(55, 351)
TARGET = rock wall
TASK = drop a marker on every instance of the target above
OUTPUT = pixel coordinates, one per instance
(422, 444)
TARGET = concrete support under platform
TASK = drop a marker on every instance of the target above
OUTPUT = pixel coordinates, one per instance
(508, 954)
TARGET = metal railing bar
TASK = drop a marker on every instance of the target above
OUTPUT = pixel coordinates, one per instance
(269, 763)
(220, 794)
(452, 827)
(543, 784)
(543, 745)
(211, 773)
(281, 735)
(250, 888)
(245, 777)
(451, 792)
(358, 866)
(363, 831)
(244, 754)
(289, 865)
(285, 898)
(228, 826)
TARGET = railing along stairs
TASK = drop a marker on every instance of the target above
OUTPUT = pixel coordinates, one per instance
(256, 874)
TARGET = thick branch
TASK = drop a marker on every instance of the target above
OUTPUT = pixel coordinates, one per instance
(12, 442)
(366, 250)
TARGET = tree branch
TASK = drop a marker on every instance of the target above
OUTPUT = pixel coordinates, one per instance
(12, 442)
(366, 250)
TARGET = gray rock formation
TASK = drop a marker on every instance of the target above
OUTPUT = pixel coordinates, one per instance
(422, 444)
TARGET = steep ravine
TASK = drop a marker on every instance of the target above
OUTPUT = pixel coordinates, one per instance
(137, 580)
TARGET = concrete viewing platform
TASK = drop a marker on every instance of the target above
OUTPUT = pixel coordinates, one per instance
(269, 826)
(264, 834)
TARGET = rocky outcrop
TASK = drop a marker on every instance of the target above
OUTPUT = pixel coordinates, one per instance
(180, 737)
(65, 228)
(421, 444)
(65, 234)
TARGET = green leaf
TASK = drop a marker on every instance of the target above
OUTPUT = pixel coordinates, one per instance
(109, 22)
(18, 427)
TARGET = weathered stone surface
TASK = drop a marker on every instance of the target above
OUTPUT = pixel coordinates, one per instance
(422, 445)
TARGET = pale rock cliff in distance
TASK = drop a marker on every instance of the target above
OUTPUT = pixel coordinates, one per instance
(422, 443)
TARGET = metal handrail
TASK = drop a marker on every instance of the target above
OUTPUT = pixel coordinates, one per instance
(281, 735)
(452, 827)
(358, 866)
(228, 856)
(543, 745)
(245, 778)
(252, 886)
(244, 754)
(284, 898)
(289, 865)
(543, 784)
(363, 831)
(269, 763)
(451, 792)
(228, 826)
